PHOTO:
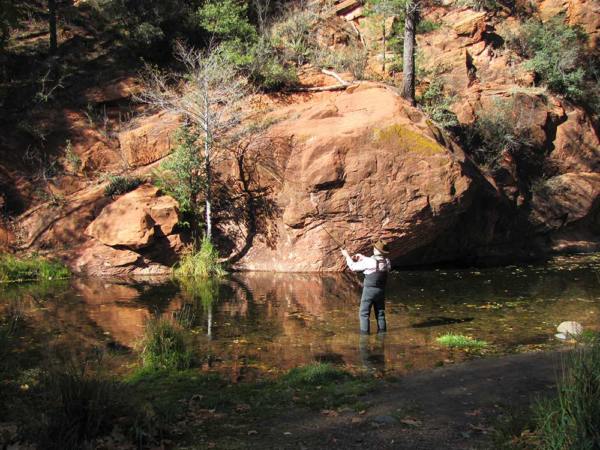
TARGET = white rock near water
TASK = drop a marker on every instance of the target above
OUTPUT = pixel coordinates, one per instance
(569, 329)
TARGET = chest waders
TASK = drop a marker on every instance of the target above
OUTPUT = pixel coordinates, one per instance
(373, 294)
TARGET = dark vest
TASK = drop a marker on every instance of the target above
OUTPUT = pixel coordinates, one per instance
(377, 279)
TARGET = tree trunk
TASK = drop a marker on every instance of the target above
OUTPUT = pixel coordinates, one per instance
(384, 49)
(208, 196)
(52, 23)
(207, 161)
(410, 26)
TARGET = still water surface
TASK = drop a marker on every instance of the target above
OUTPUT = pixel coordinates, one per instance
(253, 324)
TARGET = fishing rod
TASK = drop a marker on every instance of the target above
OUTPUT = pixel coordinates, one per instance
(339, 244)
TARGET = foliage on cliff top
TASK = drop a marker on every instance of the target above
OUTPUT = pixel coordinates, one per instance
(557, 53)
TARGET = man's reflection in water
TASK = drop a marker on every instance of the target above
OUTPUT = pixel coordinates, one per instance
(372, 353)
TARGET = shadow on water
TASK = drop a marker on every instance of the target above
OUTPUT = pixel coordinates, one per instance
(252, 323)
(439, 321)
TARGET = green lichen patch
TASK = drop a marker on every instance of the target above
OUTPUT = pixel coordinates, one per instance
(398, 136)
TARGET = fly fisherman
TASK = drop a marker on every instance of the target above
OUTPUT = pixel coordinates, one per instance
(376, 270)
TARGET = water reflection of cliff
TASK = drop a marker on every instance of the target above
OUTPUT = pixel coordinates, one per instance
(278, 321)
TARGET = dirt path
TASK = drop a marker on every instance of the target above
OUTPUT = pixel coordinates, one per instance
(447, 408)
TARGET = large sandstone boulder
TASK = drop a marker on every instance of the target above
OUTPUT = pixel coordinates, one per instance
(576, 146)
(566, 199)
(362, 165)
(134, 219)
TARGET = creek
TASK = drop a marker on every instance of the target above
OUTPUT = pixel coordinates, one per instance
(250, 325)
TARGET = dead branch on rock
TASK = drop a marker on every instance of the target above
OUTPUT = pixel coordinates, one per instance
(336, 87)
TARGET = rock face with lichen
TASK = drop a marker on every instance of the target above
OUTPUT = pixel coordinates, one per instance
(344, 168)
(361, 165)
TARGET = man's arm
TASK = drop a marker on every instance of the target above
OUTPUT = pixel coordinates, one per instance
(363, 263)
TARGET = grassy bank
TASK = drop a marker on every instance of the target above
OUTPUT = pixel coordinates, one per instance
(71, 401)
(568, 420)
(31, 268)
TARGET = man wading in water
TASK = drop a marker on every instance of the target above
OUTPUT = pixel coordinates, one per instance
(376, 270)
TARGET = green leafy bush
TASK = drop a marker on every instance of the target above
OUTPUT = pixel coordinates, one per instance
(150, 27)
(121, 184)
(556, 53)
(267, 68)
(164, 346)
(146, 37)
(437, 104)
(30, 268)
(182, 174)
(227, 19)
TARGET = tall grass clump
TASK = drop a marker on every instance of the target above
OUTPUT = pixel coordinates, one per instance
(121, 184)
(199, 264)
(315, 374)
(164, 346)
(460, 341)
(30, 269)
(74, 405)
(572, 419)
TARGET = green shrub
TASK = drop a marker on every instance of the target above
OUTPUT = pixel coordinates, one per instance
(10, 15)
(30, 268)
(481, 5)
(353, 59)
(72, 158)
(164, 346)
(182, 174)
(121, 184)
(227, 20)
(460, 341)
(497, 129)
(556, 53)
(145, 37)
(295, 35)
(267, 68)
(437, 104)
(315, 374)
(199, 264)
(571, 421)
(427, 26)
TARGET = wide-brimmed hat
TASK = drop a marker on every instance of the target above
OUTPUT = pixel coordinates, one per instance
(382, 247)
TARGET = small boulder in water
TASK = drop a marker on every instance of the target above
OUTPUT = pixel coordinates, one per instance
(569, 329)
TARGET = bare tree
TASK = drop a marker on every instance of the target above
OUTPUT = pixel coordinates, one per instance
(262, 8)
(208, 94)
(410, 29)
